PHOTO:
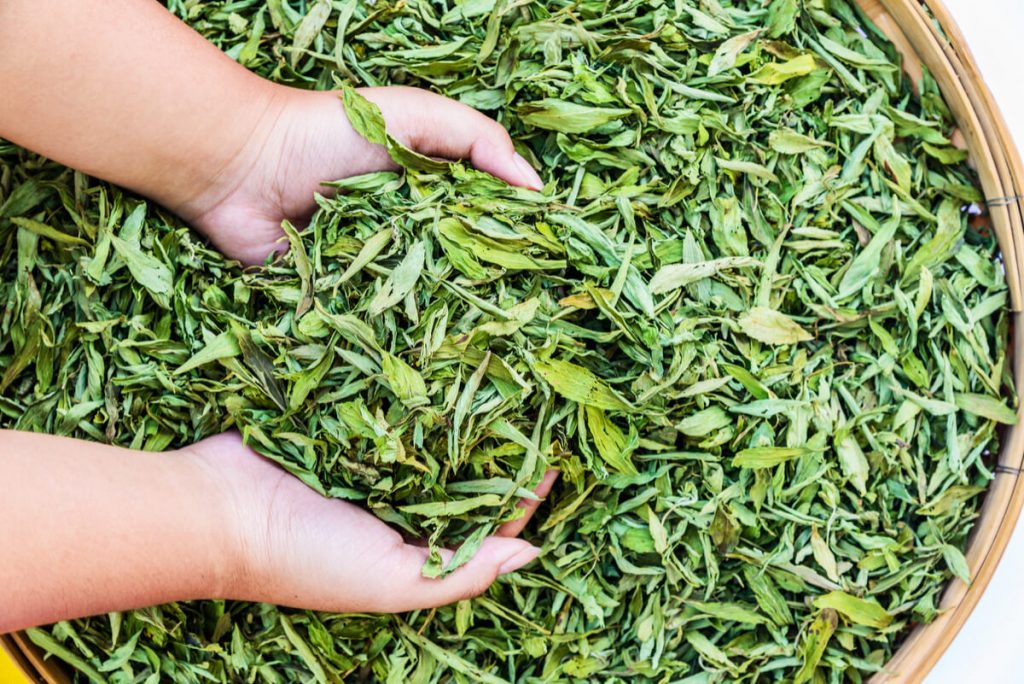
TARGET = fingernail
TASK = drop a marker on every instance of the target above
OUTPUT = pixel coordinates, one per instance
(518, 560)
(530, 178)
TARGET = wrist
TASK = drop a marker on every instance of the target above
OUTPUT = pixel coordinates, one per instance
(222, 545)
(241, 490)
(223, 152)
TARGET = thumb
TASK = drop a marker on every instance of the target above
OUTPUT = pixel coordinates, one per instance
(438, 126)
(407, 588)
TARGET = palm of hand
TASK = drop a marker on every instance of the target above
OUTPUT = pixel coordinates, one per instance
(301, 549)
(306, 139)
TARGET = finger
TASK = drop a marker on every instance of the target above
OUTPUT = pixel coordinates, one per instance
(513, 527)
(438, 126)
(404, 587)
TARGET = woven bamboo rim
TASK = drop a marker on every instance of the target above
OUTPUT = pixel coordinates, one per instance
(992, 153)
(942, 49)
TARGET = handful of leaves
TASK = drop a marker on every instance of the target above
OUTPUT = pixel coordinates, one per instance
(747, 318)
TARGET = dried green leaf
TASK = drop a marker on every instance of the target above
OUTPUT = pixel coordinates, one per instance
(772, 327)
(861, 611)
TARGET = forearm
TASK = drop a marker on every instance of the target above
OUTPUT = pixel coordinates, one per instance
(122, 90)
(87, 528)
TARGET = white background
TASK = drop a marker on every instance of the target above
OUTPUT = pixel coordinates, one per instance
(990, 648)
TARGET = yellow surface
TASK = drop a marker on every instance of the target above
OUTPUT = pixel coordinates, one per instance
(9, 672)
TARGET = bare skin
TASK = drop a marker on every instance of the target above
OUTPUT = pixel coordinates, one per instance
(134, 96)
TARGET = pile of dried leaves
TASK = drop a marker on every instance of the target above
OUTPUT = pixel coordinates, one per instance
(747, 319)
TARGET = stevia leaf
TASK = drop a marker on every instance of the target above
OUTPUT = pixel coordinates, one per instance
(782, 15)
(50, 645)
(465, 552)
(367, 253)
(986, 407)
(945, 155)
(612, 445)
(568, 117)
(865, 265)
(304, 651)
(776, 73)
(24, 198)
(729, 611)
(704, 422)
(768, 597)
(891, 160)
(950, 500)
(772, 327)
(147, 270)
(365, 116)
(401, 281)
(261, 367)
(767, 457)
(940, 247)
(813, 646)
(824, 556)
(674, 276)
(120, 657)
(303, 268)
(309, 28)
(659, 535)
(852, 461)
(309, 381)
(956, 562)
(446, 657)
(450, 508)
(578, 384)
(484, 248)
(851, 56)
(705, 20)
(860, 611)
(727, 53)
(706, 648)
(43, 230)
(788, 141)
(468, 10)
(404, 380)
(748, 168)
(222, 346)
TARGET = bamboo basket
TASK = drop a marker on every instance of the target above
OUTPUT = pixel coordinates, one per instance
(926, 35)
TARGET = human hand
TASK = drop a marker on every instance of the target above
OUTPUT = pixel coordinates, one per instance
(170, 116)
(304, 138)
(294, 547)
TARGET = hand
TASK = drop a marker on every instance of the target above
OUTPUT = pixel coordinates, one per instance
(304, 139)
(297, 548)
(150, 105)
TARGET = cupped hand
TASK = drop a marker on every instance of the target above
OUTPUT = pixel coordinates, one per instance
(294, 547)
(304, 139)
